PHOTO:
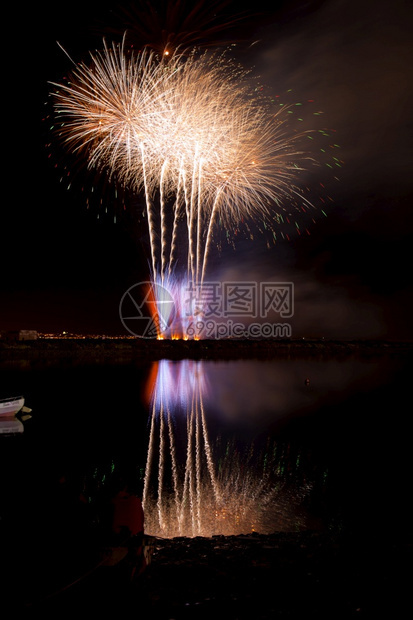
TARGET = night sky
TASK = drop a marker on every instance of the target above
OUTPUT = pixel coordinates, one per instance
(65, 269)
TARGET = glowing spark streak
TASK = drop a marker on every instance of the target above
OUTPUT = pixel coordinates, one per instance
(208, 453)
(198, 465)
(188, 218)
(161, 469)
(199, 224)
(189, 478)
(213, 216)
(163, 219)
(149, 458)
(175, 223)
(192, 215)
(174, 466)
(149, 210)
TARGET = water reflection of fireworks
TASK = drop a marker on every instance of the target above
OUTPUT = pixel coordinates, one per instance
(198, 486)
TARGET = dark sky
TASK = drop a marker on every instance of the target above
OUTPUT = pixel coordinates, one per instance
(64, 269)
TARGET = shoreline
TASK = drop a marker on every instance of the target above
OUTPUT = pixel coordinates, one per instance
(129, 350)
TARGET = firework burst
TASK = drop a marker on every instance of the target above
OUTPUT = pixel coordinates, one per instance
(192, 134)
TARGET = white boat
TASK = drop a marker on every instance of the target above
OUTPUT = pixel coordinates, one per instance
(10, 406)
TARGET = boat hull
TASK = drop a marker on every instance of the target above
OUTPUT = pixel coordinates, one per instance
(9, 407)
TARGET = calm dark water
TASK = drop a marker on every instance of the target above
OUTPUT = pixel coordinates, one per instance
(212, 447)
